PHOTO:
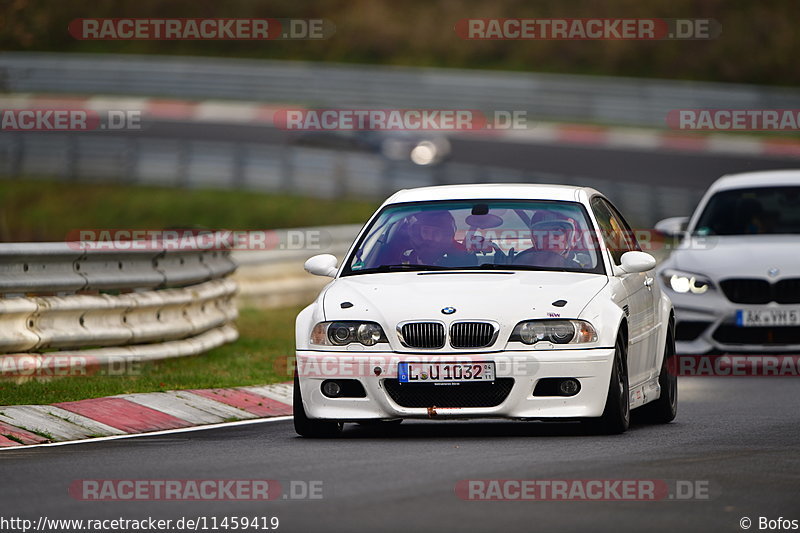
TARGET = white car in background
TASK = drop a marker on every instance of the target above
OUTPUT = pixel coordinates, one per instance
(487, 301)
(735, 277)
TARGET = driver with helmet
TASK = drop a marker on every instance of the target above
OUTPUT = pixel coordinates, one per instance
(432, 239)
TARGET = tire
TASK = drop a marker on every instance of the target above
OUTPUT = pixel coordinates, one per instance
(616, 416)
(663, 410)
(309, 427)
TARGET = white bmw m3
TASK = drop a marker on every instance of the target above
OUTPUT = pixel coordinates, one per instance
(525, 302)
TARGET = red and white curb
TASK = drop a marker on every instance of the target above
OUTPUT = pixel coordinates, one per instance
(131, 414)
(648, 139)
(218, 111)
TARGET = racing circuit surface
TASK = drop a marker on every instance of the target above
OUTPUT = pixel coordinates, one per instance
(738, 436)
(675, 168)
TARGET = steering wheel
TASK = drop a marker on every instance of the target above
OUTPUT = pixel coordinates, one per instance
(500, 257)
(487, 245)
(546, 258)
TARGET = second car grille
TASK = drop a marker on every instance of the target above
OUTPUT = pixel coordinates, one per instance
(423, 334)
(760, 291)
(471, 334)
(689, 331)
(787, 291)
(729, 334)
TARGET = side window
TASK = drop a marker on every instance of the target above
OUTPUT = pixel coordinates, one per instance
(630, 236)
(615, 231)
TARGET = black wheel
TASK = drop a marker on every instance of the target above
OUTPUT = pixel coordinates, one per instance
(309, 427)
(663, 410)
(617, 413)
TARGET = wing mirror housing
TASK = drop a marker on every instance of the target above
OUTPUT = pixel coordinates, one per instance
(635, 262)
(322, 265)
(672, 227)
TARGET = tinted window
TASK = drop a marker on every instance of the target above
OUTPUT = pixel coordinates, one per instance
(616, 233)
(508, 234)
(765, 210)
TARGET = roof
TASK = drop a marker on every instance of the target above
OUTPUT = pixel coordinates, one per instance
(764, 178)
(515, 191)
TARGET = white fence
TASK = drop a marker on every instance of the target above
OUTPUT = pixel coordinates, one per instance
(58, 299)
(276, 278)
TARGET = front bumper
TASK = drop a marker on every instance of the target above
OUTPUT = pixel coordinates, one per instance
(707, 323)
(591, 367)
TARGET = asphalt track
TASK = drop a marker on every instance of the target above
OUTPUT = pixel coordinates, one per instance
(737, 436)
(695, 170)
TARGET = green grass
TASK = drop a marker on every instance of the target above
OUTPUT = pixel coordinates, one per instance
(260, 356)
(44, 210)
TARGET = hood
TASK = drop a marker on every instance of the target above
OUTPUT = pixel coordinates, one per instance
(505, 297)
(741, 256)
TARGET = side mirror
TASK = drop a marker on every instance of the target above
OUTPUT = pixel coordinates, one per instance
(634, 262)
(322, 265)
(672, 227)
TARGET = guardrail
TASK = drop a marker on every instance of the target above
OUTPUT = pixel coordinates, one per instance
(133, 304)
(275, 278)
(290, 169)
(623, 101)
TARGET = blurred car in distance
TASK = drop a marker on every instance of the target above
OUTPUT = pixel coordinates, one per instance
(735, 277)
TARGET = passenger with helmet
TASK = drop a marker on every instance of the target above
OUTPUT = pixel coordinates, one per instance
(554, 236)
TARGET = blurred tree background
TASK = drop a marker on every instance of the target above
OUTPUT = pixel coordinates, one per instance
(759, 41)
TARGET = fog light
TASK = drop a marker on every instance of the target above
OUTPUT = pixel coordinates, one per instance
(569, 387)
(331, 389)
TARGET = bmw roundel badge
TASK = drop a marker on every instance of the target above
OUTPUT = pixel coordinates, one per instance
(448, 310)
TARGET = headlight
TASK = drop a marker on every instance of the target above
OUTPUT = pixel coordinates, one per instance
(343, 333)
(683, 282)
(555, 331)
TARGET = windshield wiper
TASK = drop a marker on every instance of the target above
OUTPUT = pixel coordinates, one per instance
(495, 266)
(398, 268)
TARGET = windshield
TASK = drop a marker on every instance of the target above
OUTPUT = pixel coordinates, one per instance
(505, 234)
(756, 211)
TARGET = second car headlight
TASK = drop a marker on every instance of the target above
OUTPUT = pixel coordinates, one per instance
(341, 333)
(555, 331)
(683, 282)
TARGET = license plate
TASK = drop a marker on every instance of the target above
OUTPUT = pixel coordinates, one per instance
(445, 372)
(748, 318)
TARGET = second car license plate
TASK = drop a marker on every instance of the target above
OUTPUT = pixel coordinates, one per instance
(445, 372)
(767, 317)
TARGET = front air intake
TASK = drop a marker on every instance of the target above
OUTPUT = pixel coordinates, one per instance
(471, 334)
(426, 335)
